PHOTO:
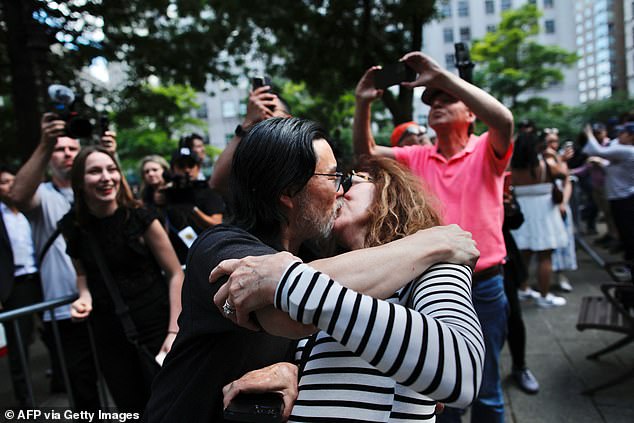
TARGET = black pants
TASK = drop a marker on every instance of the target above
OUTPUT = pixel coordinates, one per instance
(79, 362)
(27, 290)
(516, 335)
(622, 211)
(119, 359)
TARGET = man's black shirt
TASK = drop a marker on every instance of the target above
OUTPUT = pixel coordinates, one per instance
(210, 351)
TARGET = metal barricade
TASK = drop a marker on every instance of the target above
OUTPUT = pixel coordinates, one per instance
(12, 317)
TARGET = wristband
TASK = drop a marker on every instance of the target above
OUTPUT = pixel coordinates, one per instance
(240, 131)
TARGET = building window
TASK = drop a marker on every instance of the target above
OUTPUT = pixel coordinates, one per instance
(491, 28)
(605, 92)
(550, 26)
(229, 109)
(465, 34)
(532, 1)
(201, 112)
(450, 61)
(548, 4)
(445, 9)
(447, 35)
(489, 7)
(463, 8)
(506, 4)
(583, 97)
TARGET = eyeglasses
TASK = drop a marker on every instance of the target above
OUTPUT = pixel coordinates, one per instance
(350, 180)
(553, 131)
(338, 177)
(416, 130)
(412, 130)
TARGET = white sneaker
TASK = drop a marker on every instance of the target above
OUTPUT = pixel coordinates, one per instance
(564, 283)
(528, 294)
(550, 300)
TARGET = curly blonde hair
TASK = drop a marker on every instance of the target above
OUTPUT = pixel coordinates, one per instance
(401, 205)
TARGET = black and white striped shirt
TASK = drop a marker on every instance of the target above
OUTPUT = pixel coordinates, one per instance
(384, 361)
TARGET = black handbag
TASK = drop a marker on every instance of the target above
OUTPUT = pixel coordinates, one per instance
(149, 366)
(556, 193)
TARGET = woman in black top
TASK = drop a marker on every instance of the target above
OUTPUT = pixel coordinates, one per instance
(136, 251)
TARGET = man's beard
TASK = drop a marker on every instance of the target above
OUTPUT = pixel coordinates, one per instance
(314, 222)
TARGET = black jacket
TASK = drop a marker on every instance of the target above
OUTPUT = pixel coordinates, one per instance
(6, 263)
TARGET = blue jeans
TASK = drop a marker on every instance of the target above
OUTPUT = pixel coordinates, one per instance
(491, 306)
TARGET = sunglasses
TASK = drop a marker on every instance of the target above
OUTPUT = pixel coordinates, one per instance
(551, 131)
(354, 178)
(346, 181)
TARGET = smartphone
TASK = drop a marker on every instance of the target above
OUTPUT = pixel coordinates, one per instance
(260, 81)
(393, 74)
(264, 407)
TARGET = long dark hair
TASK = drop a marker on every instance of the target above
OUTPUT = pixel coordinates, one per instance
(276, 158)
(124, 194)
(528, 147)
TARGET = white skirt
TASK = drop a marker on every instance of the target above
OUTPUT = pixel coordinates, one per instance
(543, 228)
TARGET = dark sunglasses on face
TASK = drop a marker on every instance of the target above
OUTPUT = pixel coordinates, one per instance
(346, 181)
(353, 178)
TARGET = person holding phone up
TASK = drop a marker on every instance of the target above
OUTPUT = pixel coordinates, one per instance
(466, 172)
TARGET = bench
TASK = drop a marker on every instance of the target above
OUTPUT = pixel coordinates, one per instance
(613, 312)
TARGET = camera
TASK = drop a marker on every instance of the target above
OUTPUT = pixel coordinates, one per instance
(463, 61)
(63, 103)
(181, 189)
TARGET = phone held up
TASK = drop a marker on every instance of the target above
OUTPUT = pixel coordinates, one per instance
(260, 81)
(393, 74)
(264, 407)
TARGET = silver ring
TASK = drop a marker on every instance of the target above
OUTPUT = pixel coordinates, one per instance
(228, 309)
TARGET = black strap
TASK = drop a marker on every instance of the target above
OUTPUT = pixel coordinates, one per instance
(49, 243)
(121, 309)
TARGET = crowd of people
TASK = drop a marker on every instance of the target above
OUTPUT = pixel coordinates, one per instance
(384, 293)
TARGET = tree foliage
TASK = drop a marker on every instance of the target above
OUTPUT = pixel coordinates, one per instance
(326, 44)
(511, 62)
(151, 121)
(571, 120)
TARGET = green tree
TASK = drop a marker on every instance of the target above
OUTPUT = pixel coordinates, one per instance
(150, 121)
(327, 44)
(510, 62)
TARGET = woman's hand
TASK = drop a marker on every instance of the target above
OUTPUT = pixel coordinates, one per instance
(251, 285)
(279, 377)
(167, 344)
(80, 309)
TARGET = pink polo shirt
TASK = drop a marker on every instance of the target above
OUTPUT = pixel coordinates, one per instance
(469, 186)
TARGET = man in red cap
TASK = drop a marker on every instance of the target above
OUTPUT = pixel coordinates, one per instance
(466, 172)
(409, 133)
